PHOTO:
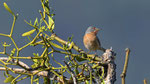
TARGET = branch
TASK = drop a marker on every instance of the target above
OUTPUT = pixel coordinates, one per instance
(72, 74)
(47, 74)
(110, 68)
(97, 80)
(145, 81)
(27, 70)
(18, 70)
(20, 63)
(55, 37)
(123, 75)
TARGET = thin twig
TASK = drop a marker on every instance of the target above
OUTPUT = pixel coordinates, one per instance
(123, 75)
(72, 74)
(91, 72)
(20, 63)
(18, 70)
(145, 81)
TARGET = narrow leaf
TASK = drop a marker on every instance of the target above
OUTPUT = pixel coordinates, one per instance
(6, 45)
(9, 79)
(86, 82)
(36, 21)
(36, 80)
(57, 46)
(51, 23)
(95, 66)
(8, 9)
(29, 32)
(71, 45)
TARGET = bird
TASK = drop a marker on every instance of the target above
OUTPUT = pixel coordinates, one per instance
(91, 41)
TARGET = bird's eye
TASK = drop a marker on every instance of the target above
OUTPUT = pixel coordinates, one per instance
(94, 28)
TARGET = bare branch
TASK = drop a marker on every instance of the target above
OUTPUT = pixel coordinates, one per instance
(110, 73)
(72, 74)
(123, 75)
(20, 63)
(145, 81)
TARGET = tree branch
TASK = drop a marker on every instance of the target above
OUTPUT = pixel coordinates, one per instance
(72, 74)
(145, 81)
(55, 37)
(123, 75)
(20, 63)
(110, 68)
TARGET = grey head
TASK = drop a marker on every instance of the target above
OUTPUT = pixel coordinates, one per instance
(92, 29)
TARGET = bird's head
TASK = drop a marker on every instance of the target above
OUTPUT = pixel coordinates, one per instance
(91, 29)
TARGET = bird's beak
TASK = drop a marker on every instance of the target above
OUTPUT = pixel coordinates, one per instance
(97, 29)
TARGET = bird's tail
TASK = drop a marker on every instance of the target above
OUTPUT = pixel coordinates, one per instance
(102, 49)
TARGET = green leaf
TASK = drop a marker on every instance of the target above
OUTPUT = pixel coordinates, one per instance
(36, 60)
(51, 23)
(10, 58)
(6, 45)
(52, 15)
(13, 52)
(46, 4)
(66, 56)
(95, 66)
(47, 64)
(42, 28)
(36, 80)
(36, 55)
(55, 45)
(29, 32)
(8, 79)
(86, 82)
(36, 21)
(8, 9)
(70, 38)
(71, 45)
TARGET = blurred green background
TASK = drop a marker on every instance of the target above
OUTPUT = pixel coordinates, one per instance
(124, 23)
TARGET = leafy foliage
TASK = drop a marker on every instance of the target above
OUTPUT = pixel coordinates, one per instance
(80, 66)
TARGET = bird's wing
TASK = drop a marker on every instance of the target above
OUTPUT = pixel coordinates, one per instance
(98, 41)
(100, 47)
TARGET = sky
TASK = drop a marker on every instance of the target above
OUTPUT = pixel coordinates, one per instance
(124, 23)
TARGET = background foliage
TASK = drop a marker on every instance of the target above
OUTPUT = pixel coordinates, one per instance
(123, 23)
(89, 71)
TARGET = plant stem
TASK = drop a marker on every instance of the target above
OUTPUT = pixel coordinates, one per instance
(145, 81)
(30, 42)
(1, 34)
(12, 28)
(123, 75)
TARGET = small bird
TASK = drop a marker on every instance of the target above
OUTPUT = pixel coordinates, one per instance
(91, 41)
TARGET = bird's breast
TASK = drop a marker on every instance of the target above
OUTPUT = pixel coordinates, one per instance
(91, 41)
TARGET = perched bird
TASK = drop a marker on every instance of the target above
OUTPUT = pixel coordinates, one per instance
(91, 41)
